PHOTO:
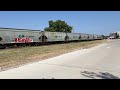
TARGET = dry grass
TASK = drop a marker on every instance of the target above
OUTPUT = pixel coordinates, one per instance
(14, 57)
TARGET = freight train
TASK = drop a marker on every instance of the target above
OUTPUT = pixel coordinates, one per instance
(17, 37)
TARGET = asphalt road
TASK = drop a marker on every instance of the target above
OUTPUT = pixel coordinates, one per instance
(100, 62)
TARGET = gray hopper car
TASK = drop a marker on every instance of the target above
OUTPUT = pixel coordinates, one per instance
(11, 35)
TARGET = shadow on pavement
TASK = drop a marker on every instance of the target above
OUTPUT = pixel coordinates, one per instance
(101, 75)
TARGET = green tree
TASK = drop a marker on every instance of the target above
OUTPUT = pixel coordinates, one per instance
(58, 26)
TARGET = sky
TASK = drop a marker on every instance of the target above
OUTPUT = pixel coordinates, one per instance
(92, 22)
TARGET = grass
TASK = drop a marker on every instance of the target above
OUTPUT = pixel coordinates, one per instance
(18, 56)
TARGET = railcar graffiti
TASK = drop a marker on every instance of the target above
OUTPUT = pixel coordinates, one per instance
(23, 39)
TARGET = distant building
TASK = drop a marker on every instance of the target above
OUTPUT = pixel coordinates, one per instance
(114, 35)
(118, 33)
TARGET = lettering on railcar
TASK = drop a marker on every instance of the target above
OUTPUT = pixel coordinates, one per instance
(23, 39)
